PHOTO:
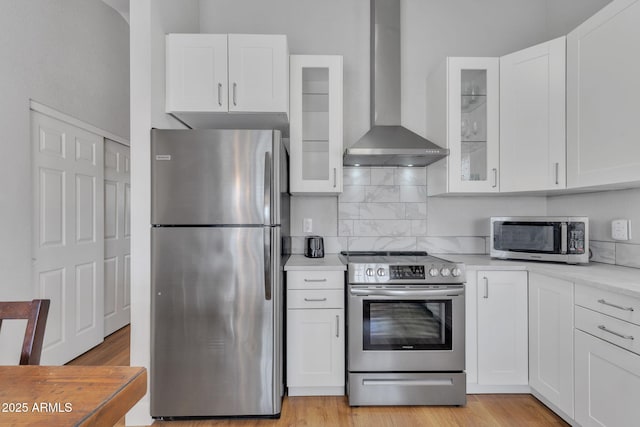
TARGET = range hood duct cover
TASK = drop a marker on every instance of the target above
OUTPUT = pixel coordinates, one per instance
(388, 143)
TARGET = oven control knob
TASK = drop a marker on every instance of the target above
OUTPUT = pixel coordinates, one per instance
(380, 272)
(433, 272)
(445, 272)
(369, 272)
(456, 272)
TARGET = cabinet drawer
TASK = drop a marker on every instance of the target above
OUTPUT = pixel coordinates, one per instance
(618, 332)
(315, 298)
(315, 279)
(619, 306)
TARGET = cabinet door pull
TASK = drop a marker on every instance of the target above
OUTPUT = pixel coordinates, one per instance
(335, 182)
(557, 173)
(220, 94)
(235, 93)
(315, 299)
(618, 334)
(495, 178)
(337, 326)
(315, 280)
(619, 307)
(486, 287)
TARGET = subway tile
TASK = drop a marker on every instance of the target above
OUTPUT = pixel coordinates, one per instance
(628, 255)
(452, 245)
(352, 194)
(382, 176)
(345, 227)
(382, 211)
(418, 227)
(356, 176)
(411, 176)
(381, 227)
(382, 194)
(604, 252)
(413, 193)
(381, 244)
(415, 210)
(348, 210)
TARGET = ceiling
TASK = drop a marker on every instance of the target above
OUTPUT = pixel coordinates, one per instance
(121, 6)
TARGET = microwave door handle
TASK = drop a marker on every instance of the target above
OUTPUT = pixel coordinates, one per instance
(563, 238)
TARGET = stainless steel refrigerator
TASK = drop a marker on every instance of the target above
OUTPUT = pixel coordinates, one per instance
(219, 214)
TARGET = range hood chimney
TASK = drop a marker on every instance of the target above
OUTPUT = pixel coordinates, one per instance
(388, 143)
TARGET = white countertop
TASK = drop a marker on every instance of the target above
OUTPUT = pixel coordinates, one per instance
(302, 263)
(624, 280)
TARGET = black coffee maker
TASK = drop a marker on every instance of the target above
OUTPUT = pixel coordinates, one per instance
(313, 247)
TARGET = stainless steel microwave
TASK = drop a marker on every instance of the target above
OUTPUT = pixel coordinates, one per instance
(553, 238)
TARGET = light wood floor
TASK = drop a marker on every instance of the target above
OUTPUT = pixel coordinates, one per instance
(488, 410)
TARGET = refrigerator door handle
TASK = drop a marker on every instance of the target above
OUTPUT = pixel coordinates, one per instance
(267, 263)
(267, 189)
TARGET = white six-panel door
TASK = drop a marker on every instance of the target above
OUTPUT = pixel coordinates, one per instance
(117, 236)
(68, 242)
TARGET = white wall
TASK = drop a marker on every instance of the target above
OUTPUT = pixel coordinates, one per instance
(70, 55)
(150, 21)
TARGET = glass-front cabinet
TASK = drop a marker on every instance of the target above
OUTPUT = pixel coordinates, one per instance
(316, 124)
(466, 119)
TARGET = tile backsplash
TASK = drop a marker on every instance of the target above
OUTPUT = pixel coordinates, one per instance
(386, 209)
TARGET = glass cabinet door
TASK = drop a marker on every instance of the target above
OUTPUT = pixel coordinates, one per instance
(316, 124)
(473, 124)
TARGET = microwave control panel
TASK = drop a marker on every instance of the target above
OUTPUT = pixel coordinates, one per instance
(576, 238)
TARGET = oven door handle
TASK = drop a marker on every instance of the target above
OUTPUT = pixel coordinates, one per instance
(407, 293)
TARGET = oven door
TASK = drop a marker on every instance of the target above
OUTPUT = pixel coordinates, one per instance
(405, 330)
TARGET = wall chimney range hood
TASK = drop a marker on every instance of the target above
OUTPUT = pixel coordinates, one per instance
(388, 143)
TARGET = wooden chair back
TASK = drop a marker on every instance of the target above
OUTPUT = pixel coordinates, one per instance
(35, 312)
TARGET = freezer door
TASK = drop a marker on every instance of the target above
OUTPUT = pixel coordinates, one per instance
(213, 177)
(215, 346)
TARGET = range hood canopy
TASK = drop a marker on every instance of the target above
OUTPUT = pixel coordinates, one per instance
(388, 143)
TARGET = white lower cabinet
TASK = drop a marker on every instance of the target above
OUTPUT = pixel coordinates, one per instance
(607, 383)
(607, 358)
(315, 333)
(551, 342)
(497, 355)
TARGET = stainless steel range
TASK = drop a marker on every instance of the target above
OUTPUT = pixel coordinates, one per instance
(405, 315)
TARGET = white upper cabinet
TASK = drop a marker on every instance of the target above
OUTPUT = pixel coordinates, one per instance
(532, 118)
(234, 73)
(463, 115)
(196, 72)
(603, 69)
(316, 124)
(258, 73)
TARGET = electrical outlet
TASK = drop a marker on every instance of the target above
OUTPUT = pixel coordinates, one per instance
(621, 229)
(307, 225)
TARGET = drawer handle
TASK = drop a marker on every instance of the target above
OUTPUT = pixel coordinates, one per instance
(315, 299)
(602, 301)
(315, 280)
(626, 337)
